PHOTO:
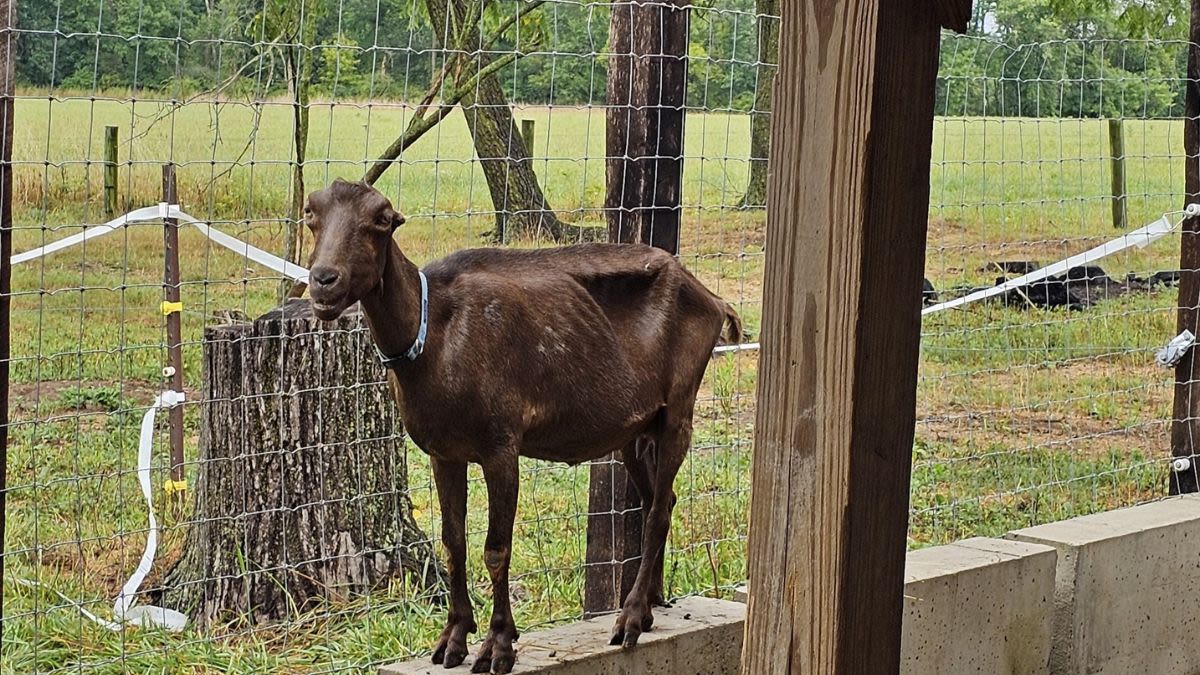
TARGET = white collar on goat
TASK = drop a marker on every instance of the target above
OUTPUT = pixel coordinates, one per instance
(418, 344)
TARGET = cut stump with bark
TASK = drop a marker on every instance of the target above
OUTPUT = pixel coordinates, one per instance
(301, 497)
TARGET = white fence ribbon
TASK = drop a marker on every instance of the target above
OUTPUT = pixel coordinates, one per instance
(125, 612)
(139, 215)
(288, 269)
(1139, 238)
(124, 608)
(163, 210)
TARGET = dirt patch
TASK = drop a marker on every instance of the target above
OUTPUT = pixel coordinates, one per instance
(1086, 407)
(33, 401)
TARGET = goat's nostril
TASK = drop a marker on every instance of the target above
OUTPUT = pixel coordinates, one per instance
(325, 276)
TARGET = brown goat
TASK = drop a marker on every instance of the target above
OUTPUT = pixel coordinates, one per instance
(562, 354)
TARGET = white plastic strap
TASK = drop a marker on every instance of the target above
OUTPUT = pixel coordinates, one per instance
(727, 349)
(161, 211)
(1139, 238)
(288, 269)
(148, 213)
(124, 609)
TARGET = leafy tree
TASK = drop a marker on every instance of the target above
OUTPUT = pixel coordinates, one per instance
(103, 57)
(289, 28)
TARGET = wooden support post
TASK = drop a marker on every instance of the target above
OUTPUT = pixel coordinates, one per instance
(849, 203)
(647, 89)
(1185, 416)
(8, 21)
(646, 93)
(110, 172)
(1116, 146)
(173, 311)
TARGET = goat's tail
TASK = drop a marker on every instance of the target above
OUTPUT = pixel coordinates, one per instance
(732, 334)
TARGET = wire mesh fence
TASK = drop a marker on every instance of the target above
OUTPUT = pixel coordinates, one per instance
(495, 117)
(1046, 402)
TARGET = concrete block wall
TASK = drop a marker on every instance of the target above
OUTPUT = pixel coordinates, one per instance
(1127, 596)
(1104, 594)
(978, 606)
(697, 636)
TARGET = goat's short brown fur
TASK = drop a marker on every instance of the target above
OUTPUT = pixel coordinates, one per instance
(564, 354)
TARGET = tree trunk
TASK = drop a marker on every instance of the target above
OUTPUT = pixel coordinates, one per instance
(299, 71)
(760, 116)
(646, 93)
(520, 205)
(301, 496)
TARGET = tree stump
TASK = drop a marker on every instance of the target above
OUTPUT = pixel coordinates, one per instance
(301, 495)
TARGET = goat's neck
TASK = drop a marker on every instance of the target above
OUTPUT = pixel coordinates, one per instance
(393, 309)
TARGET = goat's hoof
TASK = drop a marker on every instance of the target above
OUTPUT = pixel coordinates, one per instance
(496, 655)
(449, 657)
(632, 622)
(451, 648)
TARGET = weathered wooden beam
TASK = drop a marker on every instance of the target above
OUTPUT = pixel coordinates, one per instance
(849, 196)
(952, 14)
(646, 93)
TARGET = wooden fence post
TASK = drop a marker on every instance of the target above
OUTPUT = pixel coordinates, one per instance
(1185, 417)
(8, 20)
(1120, 200)
(647, 89)
(849, 205)
(110, 172)
(173, 311)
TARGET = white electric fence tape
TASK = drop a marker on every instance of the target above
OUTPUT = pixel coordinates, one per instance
(1139, 238)
(163, 210)
(124, 610)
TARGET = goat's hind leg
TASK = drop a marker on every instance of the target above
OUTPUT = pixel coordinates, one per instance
(451, 481)
(641, 465)
(636, 617)
(496, 654)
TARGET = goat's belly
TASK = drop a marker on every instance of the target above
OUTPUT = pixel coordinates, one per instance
(584, 435)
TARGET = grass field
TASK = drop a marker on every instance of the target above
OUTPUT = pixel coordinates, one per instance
(1025, 415)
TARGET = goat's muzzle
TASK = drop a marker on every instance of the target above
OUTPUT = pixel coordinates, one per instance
(328, 299)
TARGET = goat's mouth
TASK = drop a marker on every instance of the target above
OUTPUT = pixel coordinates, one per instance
(328, 310)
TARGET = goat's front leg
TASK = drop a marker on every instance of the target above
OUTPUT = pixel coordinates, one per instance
(451, 481)
(500, 472)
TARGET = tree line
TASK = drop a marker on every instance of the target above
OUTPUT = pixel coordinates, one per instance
(1067, 58)
(1040, 58)
(385, 49)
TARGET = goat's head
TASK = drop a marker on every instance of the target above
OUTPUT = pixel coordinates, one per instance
(352, 226)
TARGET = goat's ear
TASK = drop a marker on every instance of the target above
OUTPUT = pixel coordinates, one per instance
(397, 219)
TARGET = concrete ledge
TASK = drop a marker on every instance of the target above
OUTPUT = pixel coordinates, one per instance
(697, 635)
(1125, 599)
(978, 606)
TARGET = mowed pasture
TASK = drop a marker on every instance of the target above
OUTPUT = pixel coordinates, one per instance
(1025, 415)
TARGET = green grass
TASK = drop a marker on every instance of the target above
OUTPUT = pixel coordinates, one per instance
(1026, 416)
